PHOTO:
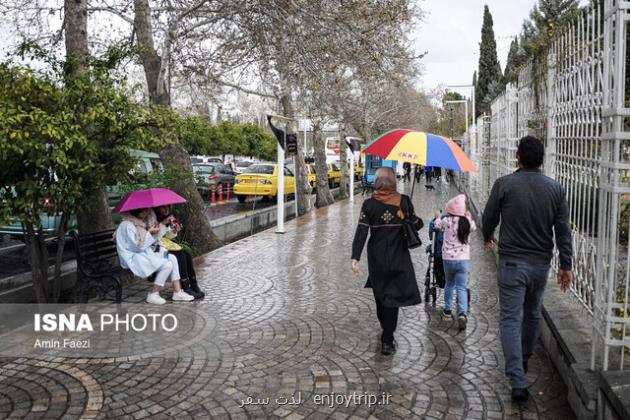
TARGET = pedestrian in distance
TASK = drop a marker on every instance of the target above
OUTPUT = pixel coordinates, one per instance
(407, 174)
(428, 171)
(457, 226)
(418, 173)
(532, 209)
(390, 270)
(134, 240)
(437, 173)
(169, 228)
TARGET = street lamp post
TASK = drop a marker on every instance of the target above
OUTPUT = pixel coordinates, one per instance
(472, 88)
(348, 143)
(280, 169)
(465, 102)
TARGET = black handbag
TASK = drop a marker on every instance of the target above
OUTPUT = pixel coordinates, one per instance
(410, 226)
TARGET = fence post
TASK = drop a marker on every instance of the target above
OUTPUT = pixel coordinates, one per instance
(550, 149)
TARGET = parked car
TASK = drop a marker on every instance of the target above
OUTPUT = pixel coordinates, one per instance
(211, 176)
(358, 171)
(147, 162)
(241, 165)
(312, 178)
(205, 159)
(334, 175)
(261, 180)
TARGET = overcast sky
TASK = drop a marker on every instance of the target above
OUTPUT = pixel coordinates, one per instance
(451, 33)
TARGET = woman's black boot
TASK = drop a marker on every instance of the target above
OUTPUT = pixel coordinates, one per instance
(186, 287)
(196, 291)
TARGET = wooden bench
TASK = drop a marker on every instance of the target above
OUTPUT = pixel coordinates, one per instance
(98, 266)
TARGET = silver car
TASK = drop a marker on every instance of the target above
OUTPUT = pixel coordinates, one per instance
(211, 176)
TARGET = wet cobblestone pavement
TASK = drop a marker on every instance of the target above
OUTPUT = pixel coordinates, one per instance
(285, 320)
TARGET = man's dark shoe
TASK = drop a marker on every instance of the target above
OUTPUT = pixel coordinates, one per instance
(187, 287)
(388, 349)
(520, 395)
(197, 292)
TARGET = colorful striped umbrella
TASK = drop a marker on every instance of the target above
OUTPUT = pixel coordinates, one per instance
(421, 148)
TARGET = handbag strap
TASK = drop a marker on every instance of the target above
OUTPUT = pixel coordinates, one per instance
(404, 206)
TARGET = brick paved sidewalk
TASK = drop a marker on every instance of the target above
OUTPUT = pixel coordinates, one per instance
(284, 317)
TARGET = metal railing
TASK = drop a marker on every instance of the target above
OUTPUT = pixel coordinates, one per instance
(574, 98)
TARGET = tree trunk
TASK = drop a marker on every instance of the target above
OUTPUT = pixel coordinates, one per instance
(75, 20)
(323, 195)
(38, 260)
(343, 161)
(197, 231)
(304, 191)
(151, 60)
(61, 243)
(95, 214)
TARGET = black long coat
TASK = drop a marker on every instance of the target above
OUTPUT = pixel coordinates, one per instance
(391, 272)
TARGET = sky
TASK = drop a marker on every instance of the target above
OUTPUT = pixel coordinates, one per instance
(451, 32)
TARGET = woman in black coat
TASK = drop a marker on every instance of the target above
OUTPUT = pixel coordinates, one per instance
(391, 274)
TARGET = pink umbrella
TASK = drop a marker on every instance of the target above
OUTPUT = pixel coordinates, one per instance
(142, 199)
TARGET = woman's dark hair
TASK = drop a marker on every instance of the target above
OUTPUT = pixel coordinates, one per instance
(463, 229)
(159, 216)
(530, 152)
(136, 212)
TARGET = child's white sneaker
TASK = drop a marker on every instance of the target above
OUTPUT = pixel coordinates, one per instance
(155, 298)
(182, 296)
(447, 315)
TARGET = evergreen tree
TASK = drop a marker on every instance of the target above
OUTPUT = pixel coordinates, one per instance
(513, 63)
(547, 12)
(489, 67)
(542, 17)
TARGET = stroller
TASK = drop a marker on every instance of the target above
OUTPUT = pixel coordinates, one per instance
(434, 277)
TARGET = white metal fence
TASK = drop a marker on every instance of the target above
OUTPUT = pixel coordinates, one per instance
(575, 99)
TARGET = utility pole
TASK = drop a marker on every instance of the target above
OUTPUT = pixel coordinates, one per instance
(465, 102)
(281, 136)
(472, 88)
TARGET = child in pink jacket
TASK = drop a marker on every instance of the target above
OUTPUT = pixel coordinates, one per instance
(456, 256)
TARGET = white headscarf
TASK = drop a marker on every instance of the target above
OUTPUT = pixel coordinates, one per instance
(140, 224)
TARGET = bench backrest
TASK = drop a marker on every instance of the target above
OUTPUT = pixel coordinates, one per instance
(96, 252)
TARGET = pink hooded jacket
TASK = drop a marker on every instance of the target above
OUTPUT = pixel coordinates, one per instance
(452, 248)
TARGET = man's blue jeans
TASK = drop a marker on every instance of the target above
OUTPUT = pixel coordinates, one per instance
(456, 277)
(521, 289)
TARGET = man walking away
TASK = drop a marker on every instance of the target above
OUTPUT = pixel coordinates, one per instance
(407, 174)
(428, 171)
(531, 208)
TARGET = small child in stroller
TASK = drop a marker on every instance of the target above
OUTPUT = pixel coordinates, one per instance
(435, 270)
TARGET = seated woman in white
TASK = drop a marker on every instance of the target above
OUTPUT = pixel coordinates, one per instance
(133, 242)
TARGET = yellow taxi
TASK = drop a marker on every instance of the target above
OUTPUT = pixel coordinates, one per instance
(358, 171)
(261, 180)
(312, 178)
(334, 174)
